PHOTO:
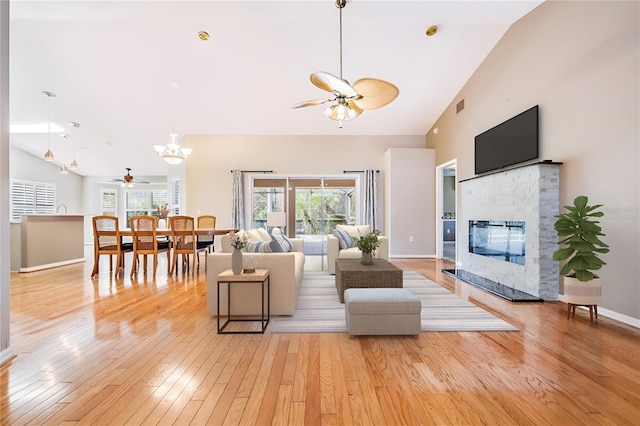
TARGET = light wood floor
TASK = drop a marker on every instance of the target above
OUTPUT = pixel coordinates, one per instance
(117, 351)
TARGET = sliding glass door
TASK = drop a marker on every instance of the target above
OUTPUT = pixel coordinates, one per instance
(314, 207)
(319, 205)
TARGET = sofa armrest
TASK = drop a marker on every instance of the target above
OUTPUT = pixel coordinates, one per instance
(333, 250)
(298, 244)
(383, 250)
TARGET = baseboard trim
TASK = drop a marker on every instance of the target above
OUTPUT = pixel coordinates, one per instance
(626, 319)
(412, 256)
(6, 356)
(52, 265)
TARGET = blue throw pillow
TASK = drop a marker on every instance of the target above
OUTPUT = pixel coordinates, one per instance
(281, 244)
(344, 238)
(258, 247)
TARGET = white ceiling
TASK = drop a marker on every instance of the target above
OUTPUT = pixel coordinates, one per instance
(114, 66)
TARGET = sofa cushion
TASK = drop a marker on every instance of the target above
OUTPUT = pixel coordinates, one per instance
(258, 247)
(258, 234)
(281, 244)
(344, 239)
(356, 231)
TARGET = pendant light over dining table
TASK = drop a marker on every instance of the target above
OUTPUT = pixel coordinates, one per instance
(48, 156)
(172, 153)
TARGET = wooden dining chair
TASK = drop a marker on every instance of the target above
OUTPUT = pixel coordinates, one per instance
(206, 222)
(184, 242)
(145, 242)
(107, 241)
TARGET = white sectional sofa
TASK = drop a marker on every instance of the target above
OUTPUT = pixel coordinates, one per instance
(335, 252)
(286, 271)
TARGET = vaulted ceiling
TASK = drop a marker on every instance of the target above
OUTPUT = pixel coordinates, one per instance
(131, 71)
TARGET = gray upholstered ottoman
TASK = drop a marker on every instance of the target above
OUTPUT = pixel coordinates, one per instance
(382, 311)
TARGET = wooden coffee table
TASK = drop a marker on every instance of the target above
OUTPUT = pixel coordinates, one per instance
(350, 273)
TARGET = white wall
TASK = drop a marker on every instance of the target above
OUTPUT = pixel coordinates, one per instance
(580, 62)
(410, 190)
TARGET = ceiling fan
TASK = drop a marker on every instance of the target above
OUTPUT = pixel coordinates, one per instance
(128, 180)
(351, 100)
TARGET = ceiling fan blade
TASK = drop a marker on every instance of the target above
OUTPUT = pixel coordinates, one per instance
(375, 93)
(311, 103)
(141, 181)
(355, 107)
(331, 83)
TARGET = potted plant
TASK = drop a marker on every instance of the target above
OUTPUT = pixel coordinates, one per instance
(367, 244)
(162, 211)
(580, 247)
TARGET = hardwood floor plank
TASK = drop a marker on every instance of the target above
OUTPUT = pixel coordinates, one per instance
(264, 399)
(283, 404)
(312, 407)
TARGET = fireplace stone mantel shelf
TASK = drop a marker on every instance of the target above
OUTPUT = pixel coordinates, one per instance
(492, 287)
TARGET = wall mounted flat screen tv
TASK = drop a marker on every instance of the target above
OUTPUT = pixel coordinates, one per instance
(512, 142)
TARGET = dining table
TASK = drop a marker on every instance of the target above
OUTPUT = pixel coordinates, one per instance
(165, 232)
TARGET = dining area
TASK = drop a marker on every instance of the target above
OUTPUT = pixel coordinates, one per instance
(182, 240)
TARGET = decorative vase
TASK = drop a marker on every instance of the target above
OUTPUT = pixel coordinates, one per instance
(236, 262)
(162, 223)
(366, 258)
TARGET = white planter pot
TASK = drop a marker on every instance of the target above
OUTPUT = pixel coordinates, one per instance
(577, 292)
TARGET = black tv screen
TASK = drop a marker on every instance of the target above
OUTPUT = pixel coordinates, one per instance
(512, 142)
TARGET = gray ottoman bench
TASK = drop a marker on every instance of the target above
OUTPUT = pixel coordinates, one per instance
(382, 311)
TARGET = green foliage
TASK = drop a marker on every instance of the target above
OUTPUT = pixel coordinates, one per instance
(368, 242)
(579, 240)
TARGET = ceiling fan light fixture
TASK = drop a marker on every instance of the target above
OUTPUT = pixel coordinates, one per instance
(172, 153)
(341, 112)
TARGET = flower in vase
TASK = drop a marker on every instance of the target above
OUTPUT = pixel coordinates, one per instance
(239, 239)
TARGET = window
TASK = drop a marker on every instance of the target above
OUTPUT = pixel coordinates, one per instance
(31, 197)
(175, 197)
(268, 196)
(108, 201)
(144, 202)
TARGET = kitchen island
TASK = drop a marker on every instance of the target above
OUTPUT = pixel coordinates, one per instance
(50, 240)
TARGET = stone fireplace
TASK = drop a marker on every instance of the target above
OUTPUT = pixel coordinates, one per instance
(528, 194)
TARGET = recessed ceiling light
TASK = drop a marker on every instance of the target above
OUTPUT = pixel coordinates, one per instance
(432, 30)
(203, 35)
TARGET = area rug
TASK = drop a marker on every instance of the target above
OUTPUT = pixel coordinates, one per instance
(318, 308)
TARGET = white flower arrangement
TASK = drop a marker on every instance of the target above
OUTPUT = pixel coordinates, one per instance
(239, 239)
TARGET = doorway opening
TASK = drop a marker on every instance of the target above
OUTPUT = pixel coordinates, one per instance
(446, 211)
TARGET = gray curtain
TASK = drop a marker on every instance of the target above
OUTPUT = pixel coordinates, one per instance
(237, 203)
(370, 205)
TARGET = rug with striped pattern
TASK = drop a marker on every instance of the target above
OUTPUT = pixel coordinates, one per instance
(318, 308)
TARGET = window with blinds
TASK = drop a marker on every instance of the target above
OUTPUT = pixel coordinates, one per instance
(175, 196)
(108, 201)
(144, 202)
(31, 197)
